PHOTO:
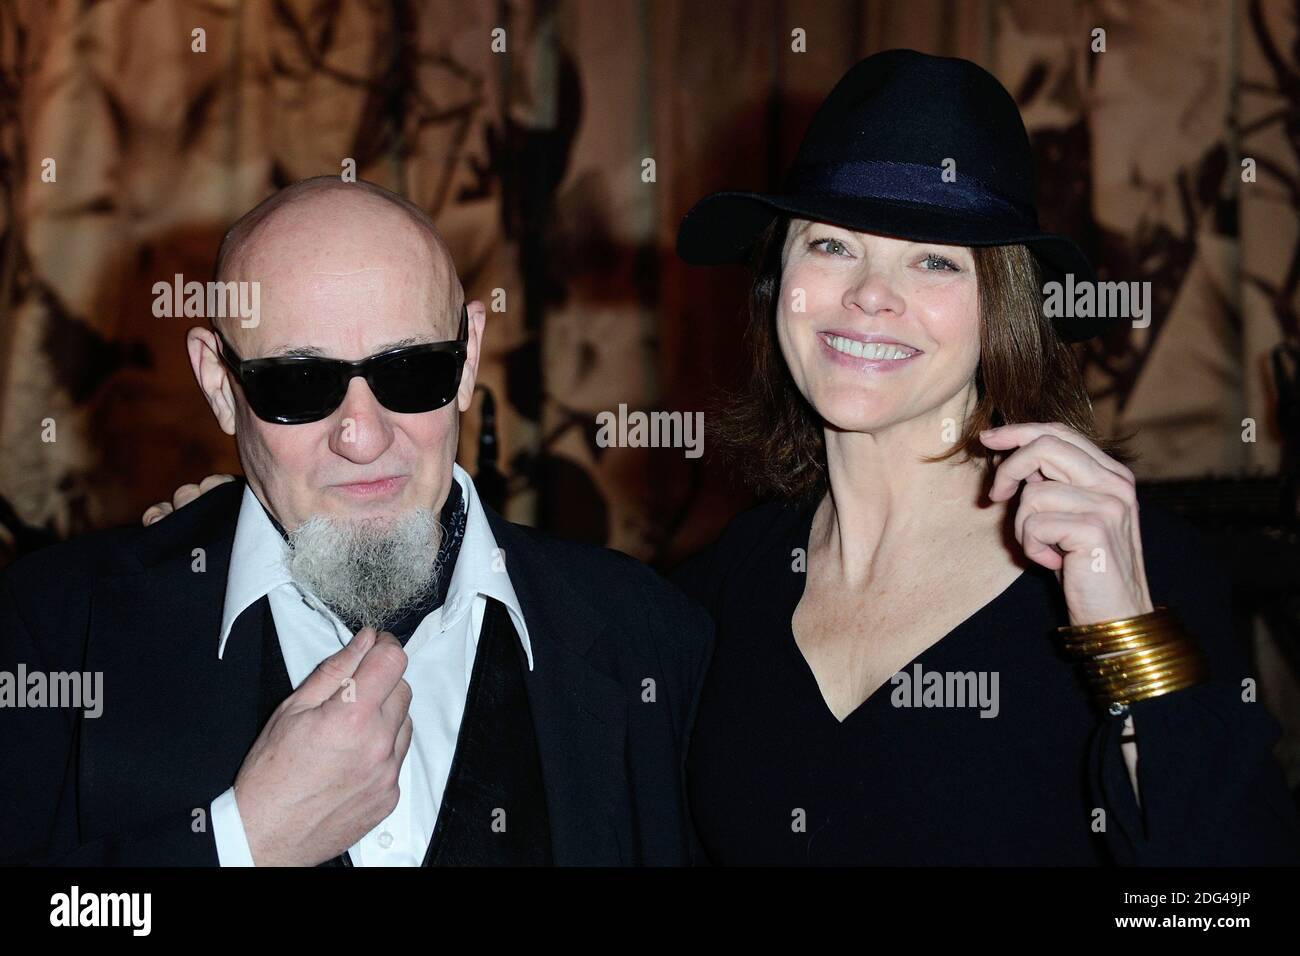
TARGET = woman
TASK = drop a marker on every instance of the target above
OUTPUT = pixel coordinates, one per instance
(889, 684)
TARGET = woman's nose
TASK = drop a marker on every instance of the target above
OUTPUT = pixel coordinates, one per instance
(874, 290)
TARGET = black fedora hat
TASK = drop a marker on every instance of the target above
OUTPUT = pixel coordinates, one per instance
(874, 159)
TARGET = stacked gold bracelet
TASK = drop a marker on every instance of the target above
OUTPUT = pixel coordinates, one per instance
(1134, 658)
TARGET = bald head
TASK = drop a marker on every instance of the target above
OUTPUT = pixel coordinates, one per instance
(342, 271)
(335, 225)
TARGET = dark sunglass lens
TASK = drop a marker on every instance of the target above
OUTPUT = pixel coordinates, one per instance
(416, 381)
(294, 391)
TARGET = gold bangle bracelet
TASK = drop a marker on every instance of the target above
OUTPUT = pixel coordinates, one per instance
(1156, 626)
(1139, 622)
(1098, 666)
(1156, 689)
(1135, 642)
(1155, 672)
(1167, 655)
(1119, 686)
(1135, 658)
(1136, 690)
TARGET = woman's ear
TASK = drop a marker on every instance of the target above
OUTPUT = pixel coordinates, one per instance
(211, 376)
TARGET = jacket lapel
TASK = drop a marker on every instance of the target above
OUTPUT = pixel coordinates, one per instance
(579, 709)
(153, 636)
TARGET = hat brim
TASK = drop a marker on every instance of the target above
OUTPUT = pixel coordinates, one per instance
(723, 227)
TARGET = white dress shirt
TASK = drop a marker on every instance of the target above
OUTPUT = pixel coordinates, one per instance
(440, 661)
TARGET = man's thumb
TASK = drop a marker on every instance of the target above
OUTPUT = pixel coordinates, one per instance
(323, 682)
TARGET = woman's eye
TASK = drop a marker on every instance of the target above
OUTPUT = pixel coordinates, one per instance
(833, 246)
(937, 263)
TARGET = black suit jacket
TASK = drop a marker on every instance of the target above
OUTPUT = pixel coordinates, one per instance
(619, 658)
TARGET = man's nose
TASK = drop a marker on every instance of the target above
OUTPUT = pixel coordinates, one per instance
(362, 431)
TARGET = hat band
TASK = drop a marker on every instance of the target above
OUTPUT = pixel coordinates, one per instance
(906, 182)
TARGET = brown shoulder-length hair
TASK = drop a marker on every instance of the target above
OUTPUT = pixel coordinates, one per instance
(1026, 373)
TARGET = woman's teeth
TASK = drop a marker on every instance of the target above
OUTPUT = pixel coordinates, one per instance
(867, 350)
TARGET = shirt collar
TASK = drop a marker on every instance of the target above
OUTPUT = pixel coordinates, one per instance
(257, 566)
(481, 567)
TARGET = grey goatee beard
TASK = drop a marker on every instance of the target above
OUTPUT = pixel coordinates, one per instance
(367, 572)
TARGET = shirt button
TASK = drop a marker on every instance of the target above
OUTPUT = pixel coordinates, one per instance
(385, 840)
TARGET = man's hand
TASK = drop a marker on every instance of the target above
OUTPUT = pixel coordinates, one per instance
(183, 496)
(323, 772)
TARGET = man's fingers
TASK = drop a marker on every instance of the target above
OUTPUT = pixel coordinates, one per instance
(380, 670)
(398, 706)
(330, 674)
(403, 742)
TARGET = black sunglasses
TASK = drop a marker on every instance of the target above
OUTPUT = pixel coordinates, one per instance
(296, 389)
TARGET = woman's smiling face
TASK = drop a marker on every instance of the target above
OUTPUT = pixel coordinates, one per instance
(875, 330)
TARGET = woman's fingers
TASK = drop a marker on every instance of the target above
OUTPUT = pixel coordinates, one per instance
(1056, 496)
(210, 482)
(156, 513)
(183, 496)
(1010, 436)
(1077, 513)
(187, 493)
(1047, 536)
(1055, 458)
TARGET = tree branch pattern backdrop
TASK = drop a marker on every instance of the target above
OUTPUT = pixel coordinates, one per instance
(531, 162)
(163, 121)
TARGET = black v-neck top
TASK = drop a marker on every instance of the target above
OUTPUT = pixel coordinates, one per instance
(774, 778)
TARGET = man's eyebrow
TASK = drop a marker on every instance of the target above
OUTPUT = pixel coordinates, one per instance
(403, 343)
(313, 351)
(294, 351)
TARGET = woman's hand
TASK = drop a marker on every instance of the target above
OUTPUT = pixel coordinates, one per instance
(1077, 516)
(183, 496)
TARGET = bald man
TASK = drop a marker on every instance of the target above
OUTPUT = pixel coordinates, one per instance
(345, 658)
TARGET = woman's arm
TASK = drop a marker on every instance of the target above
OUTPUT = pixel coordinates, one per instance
(1210, 790)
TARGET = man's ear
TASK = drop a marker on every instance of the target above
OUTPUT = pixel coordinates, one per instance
(473, 349)
(211, 375)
